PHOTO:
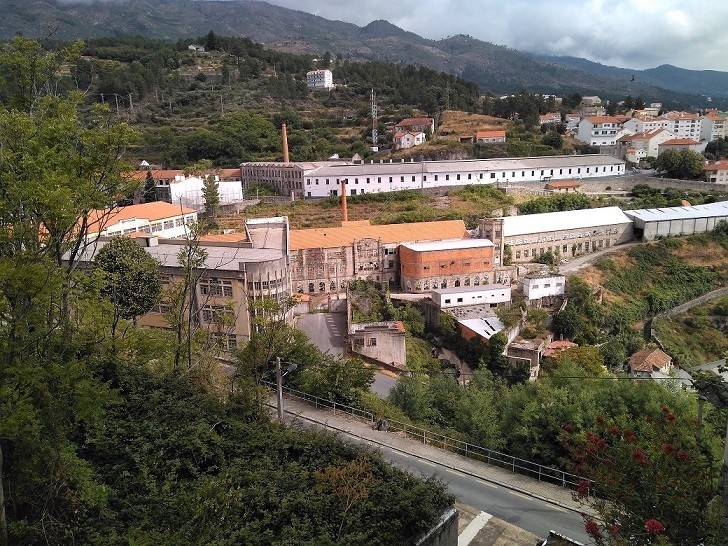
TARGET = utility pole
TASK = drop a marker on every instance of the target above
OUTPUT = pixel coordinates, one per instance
(279, 389)
(102, 99)
(117, 103)
(131, 105)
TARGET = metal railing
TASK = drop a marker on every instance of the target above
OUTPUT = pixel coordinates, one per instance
(319, 402)
(489, 456)
(435, 439)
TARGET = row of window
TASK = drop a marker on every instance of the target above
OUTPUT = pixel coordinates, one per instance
(216, 287)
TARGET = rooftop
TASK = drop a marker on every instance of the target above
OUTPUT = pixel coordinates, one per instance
(469, 289)
(709, 210)
(345, 235)
(449, 244)
(558, 221)
(485, 327)
(649, 360)
(99, 220)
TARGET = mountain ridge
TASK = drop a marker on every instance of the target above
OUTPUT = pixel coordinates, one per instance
(493, 67)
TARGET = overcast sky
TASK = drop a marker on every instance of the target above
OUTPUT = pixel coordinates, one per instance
(628, 33)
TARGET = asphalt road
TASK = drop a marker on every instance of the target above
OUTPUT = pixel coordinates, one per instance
(325, 330)
(528, 513)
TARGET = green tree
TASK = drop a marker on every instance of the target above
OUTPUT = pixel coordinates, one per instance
(683, 164)
(56, 167)
(553, 139)
(211, 195)
(150, 188)
(130, 279)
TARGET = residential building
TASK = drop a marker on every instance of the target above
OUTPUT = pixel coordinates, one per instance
(638, 146)
(416, 124)
(555, 347)
(646, 124)
(483, 328)
(681, 144)
(717, 172)
(490, 137)
(572, 120)
(320, 79)
(444, 264)
(382, 342)
(157, 218)
(542, 288)
(528, 353)
(651, 224)
(551, 117)
(232, 278)
(683, 124)
(570, 233)
(563, 186)
(490, 295)
(712, 126)
(380, 177)
(591, 101)
(600, 130)
(643, 363)
(407, 139)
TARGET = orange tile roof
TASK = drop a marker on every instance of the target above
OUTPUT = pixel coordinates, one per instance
(229, 173)
(490, 134)
(558, 346)
(647, 135)
(157, 210)
(649, 360)
(157, 174)
(334, 237)
(718, 166)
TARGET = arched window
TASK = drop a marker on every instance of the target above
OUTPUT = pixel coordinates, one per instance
(333, 285)
(322, 286)
(310, 287)
(476, 282)
(457, 282)
(467, 281)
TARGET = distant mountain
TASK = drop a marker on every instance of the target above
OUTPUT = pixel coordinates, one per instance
(711, 83)
(493, 67)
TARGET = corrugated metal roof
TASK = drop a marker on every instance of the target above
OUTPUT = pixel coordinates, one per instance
(558, 221)
(709, 210)
(450, 244)
(465, 165)
(333, 237)
(485, 327)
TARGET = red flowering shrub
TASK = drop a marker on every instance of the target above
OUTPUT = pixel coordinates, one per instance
(592, 527)
(654, 526)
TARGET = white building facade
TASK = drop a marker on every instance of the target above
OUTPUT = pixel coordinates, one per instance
(392, 176)
(489, 294)
(600, 130)
(187, 191)
(320, 79)
(535, 287)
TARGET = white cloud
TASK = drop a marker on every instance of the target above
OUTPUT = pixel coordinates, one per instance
(629, 33)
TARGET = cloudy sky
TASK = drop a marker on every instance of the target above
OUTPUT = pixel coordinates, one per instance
(628, 33)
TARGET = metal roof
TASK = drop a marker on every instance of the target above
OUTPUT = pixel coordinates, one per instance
(485, 327)
(558, 221)
(449, 244)
(680, 213)
(465, 165)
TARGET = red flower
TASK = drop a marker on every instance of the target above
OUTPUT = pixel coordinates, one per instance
(583, 489)
(592, 527)
(614, 430)
(614, 529)
(668, 448)
(682, 454)
(629, 435)
(654, 526)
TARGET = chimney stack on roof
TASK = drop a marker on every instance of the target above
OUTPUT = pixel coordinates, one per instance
(344, 212)
(284, 137)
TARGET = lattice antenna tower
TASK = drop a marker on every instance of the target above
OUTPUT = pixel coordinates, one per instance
(375, 133)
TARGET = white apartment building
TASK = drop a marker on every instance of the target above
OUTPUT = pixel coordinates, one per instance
(158, 218)
(320, 79)
(645, 124)
(683, 124)
(717, 173)
(600, 130)
(385, 177)
(712, 126)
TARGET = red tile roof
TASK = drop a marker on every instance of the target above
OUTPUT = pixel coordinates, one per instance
(563, 184)
(603, 119)
(679, 142)
(649, 360)
(157, 174)
(718, 166)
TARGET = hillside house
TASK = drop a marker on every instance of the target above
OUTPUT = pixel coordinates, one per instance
(563, 186)
(415, 125)
(681, 144)
(638, 146)
(490, 137)
(551, 117)
(717, 172)
(643, 363)
(407, 139)
(382, 342)
(490, 295)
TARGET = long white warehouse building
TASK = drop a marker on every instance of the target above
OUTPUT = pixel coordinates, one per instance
(324, 179)
(651, 224)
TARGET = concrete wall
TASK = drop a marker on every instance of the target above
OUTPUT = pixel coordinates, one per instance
(444, 533)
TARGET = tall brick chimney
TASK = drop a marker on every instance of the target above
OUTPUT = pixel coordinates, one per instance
(284, 137)
(344, 212)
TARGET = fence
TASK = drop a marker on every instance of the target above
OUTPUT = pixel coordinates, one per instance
(472, 451)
